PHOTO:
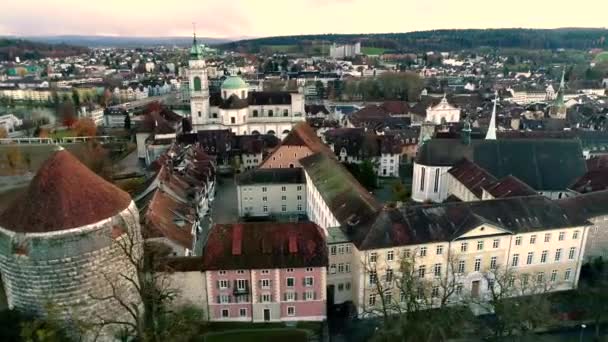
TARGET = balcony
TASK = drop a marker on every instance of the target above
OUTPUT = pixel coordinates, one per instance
(241, 291)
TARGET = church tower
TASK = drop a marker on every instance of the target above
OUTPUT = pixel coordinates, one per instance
(558, 110)
(199, 86)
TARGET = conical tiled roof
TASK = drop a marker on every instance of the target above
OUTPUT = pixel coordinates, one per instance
(64, 194)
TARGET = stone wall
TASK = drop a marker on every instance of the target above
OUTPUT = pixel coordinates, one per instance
(70, 269)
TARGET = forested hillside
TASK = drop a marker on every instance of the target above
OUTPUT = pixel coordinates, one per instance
(25, 49)
(447, 40)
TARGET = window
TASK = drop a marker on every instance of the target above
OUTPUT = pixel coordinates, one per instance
(479, 245)
(421, 271)
(223, 284)
(332, 268)
(299, 207)
(225, 94)
(270, 113)
(299, 197)
(515, 261)
(264, 189)
(437, 270)
(291, 311)
(558, 254)
(439, 249)
(232, 120)
(406, 253)
(390, 256)
(518, 241)
(241, 284)
(291, 282)
(495, 243)
(372, 277)
(459, 288)
(532, 239)
(561, 236)
(308, 281)
(477, 264)
(341, 249)
(225, 313)
(285, 112)
(461, 266)
(575, 235)
(224, 299)
(255, 113)
(388, 296)
(264, 199)
(389, 275)
(553, 275)
(493, 261)
(200, 113)
(540, 277)
(372, 300)
(572, 253)
(265, 209)
(309, 295)
(283, 188)
(567, 274)
(436, 187)
(373, 257)
(197, 84)
(308, 269)
(490, 284)
(463, 246)
(266, 298)
(332, 250)
(530, 257)
(299, 188)
(422, 251)
(290, 270)
(547, 237)
(347, 285)
(435, 292)
(420, 293)
(240, 272)
(242, 312)
(283, 208)
(340, 287)
(283, 198)
(265, 283)
(543, 257)
(422, 175)
(340, 268)
(221, 272)
(347, 267)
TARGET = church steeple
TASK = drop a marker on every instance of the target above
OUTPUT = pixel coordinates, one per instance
(491, 134)
(196, 52)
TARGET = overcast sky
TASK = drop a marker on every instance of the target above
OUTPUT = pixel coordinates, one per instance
(238, 18)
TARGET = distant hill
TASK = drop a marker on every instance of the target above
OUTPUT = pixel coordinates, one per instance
(27, 49)
(446, 40)
(125, 42)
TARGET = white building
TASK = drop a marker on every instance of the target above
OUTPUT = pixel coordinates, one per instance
(10, 122)
(348, 50)
(238, 109)
(265, 192)
(443, 112)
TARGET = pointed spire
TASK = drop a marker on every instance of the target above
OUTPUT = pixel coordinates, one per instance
(491, 134)
(562, 83)
(194, 34)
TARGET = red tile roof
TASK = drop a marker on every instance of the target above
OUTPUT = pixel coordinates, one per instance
(472, 176)
(265, 245)
(64, 194)
(161, 216)
(596, 180)
(510, 186)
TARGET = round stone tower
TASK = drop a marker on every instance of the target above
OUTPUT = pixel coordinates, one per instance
(61, 244)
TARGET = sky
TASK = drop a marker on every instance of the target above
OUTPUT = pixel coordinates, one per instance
(260, 18)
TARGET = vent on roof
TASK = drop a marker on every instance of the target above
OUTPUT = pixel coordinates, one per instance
(293, 244)
(237, 240)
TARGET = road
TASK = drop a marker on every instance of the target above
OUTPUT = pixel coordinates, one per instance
(225, 206)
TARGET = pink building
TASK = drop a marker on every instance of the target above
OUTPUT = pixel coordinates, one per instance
(266, 272)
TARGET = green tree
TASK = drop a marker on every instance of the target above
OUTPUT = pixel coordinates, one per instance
(367, 175)
(592, 294)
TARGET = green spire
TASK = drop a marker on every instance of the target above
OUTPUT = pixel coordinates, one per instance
(196, 52)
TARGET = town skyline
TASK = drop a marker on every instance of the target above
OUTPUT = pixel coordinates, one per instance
(244, 18)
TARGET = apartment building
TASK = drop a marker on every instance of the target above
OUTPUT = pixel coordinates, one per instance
(265, 192)
(266, 272)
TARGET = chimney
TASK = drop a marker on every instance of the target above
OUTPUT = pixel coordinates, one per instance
(293, 243)
(237, 239)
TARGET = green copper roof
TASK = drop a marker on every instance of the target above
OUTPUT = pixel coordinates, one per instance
(234, 82)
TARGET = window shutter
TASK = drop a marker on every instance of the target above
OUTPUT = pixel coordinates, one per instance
(271, 297)
(314, 295)
(295, 296)
(217, 284)
(229, 299)
(285, 296)
(304, 281)
(228, 284)
(218, 299)
(260, 283)
(260, 299)
(270, 282)
(235, 284)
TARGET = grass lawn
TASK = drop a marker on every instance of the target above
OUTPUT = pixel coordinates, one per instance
(601, 57)
(280, 48)
(63, 133)
(372, 50)
(259, 335)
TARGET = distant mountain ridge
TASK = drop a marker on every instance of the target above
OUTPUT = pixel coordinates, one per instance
(448, 40)
(125, 42)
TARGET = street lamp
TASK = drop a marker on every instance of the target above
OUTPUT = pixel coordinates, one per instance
(583, 326)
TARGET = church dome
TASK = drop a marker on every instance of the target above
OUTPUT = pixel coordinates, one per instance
(64, 194)
(234, 82)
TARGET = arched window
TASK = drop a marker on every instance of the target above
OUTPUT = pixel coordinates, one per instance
(270, 112)
(197, 84)
(242, 94)
(255, 133)
(286, 131)
(271, 132)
